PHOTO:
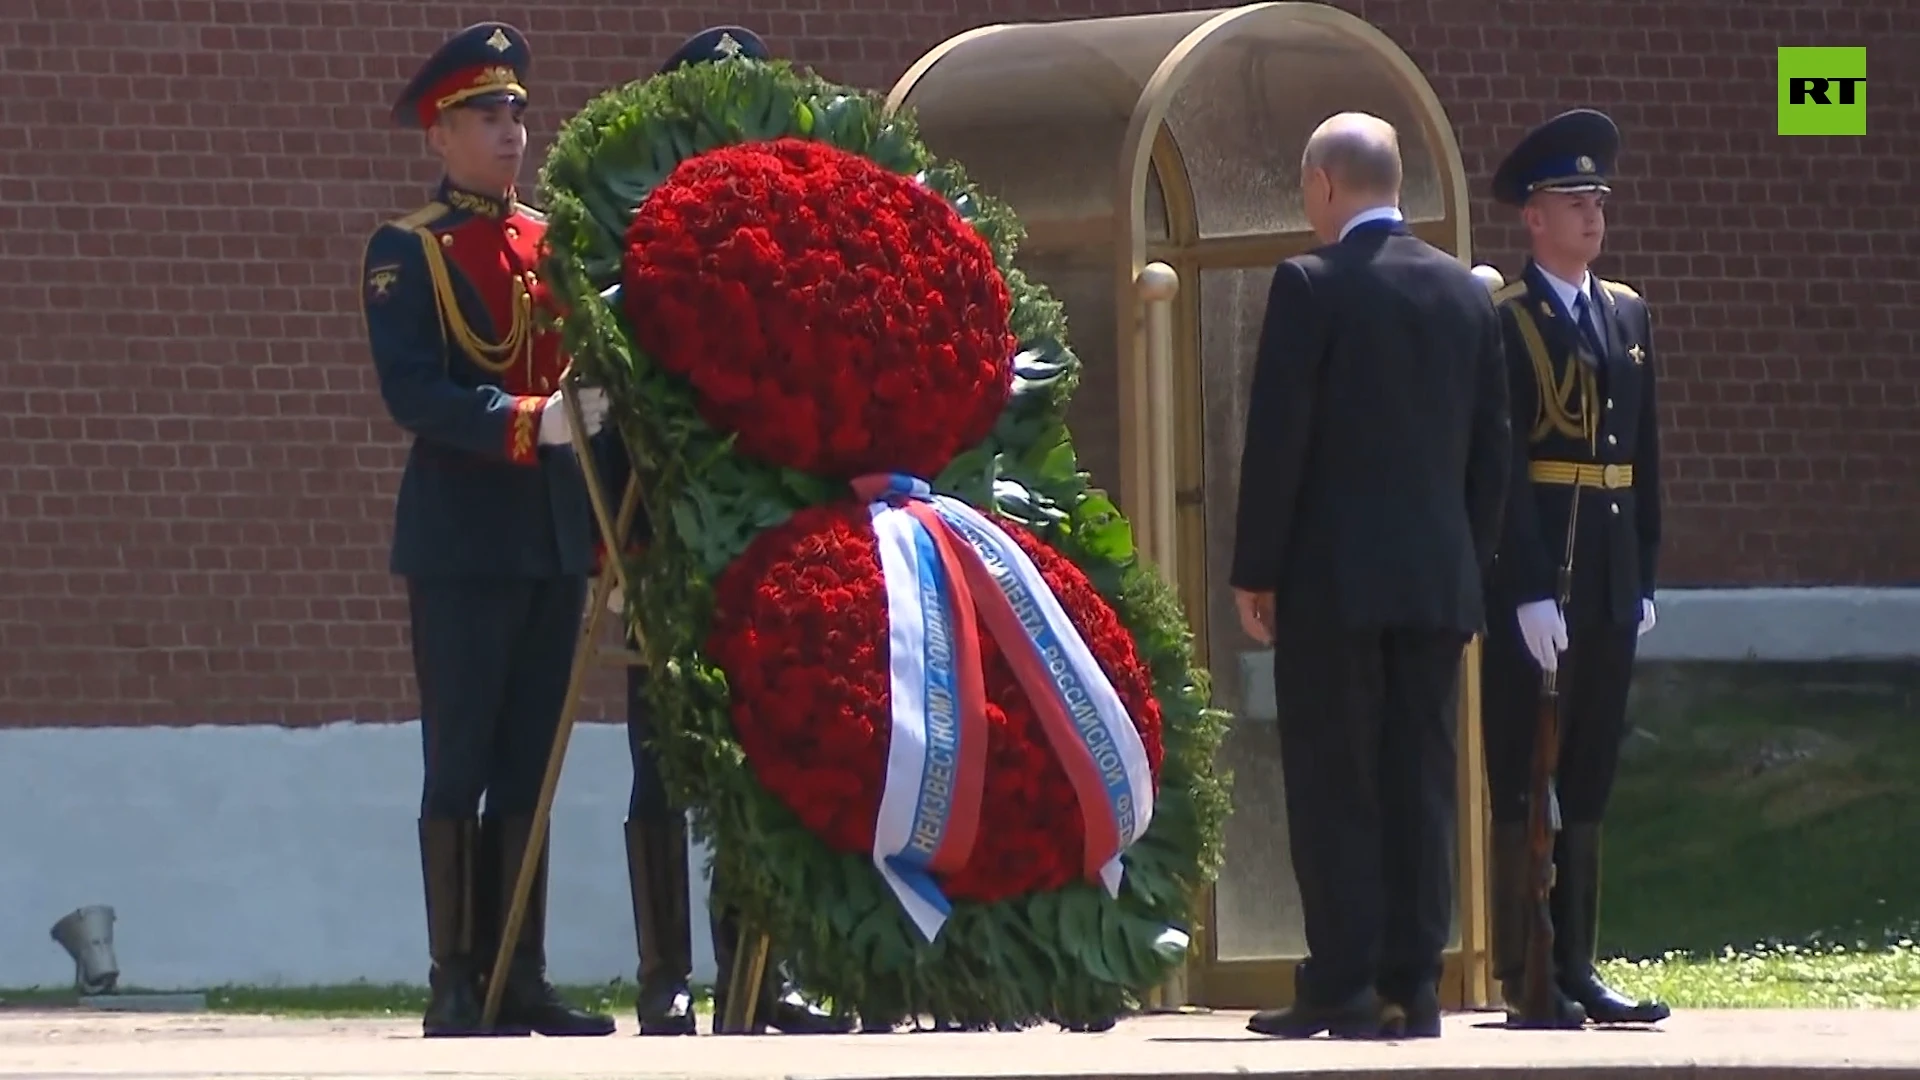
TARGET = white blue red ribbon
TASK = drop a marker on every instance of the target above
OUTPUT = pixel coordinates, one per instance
(949, 570)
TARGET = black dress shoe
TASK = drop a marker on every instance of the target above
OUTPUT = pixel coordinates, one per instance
(535, 1008)
(793, 1015)
(1358, 1017)
(1412, 1016)
(1605, 1005)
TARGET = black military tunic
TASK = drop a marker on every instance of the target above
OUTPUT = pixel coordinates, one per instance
(1583, 371)
(1584, 428)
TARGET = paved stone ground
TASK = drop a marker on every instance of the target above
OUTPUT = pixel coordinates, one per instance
(1802, 1045)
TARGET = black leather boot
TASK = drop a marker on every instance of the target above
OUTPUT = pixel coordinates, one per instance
(529, 1004)
(1514, 912)
(657, 873)
(1576, 920)
(448, 850)
(781, 1007)
(1358, 1015)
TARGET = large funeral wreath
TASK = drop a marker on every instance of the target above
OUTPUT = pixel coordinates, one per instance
(786, 296)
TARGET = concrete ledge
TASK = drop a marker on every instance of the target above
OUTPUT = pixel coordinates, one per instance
(1748, 1043)
(267, 856)
(1791, 625)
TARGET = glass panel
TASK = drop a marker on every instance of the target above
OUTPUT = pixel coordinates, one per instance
(1244, 115)
(1037, 112)
(1157, 228)
(1083, 283)
(1256, 903)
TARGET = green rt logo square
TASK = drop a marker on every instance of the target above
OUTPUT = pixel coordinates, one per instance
(1823, 91)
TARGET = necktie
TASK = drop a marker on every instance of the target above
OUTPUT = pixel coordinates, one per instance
(1583, 315)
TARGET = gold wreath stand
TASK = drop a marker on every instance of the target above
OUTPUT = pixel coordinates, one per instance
(750, 959)
(1153, 161)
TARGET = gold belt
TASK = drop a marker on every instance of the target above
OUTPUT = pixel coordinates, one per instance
(1581, 474)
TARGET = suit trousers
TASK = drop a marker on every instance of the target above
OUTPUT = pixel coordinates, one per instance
(1595, 673)
(492, 656)
(1367, 723)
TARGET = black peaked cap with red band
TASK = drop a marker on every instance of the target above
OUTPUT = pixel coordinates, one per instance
(485, 64)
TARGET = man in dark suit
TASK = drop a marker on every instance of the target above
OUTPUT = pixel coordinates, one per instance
(491, 529)
(1581, 361)
(1371, 484)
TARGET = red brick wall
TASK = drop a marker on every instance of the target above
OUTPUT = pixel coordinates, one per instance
(196, 474)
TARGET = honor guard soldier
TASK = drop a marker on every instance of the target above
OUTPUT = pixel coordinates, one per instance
(656, 830)
(492, 529)
(1582, 383)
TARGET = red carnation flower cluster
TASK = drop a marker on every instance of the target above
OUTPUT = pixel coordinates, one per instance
(800, 629)
(840, 318)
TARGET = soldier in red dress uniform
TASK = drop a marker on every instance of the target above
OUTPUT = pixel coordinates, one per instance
(493, 530)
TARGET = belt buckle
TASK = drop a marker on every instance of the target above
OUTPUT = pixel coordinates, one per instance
(1613, 476)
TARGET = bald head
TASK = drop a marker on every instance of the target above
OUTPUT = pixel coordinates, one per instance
(1359, 153)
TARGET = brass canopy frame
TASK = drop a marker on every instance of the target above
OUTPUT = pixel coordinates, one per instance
(1074, 124)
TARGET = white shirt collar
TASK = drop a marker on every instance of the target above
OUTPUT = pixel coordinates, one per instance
(1567, 290)
(1378, 213)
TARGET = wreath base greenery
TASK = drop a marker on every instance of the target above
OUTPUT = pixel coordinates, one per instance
(1075, 956)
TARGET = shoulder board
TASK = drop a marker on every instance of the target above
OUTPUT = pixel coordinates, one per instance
(426, 215)
(1509, 291)
(1617, 289)
(530, 212)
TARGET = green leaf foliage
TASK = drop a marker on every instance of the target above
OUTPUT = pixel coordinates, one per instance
(1073, 956)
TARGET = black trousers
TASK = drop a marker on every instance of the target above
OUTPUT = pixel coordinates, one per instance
(647, 800)
(1594, 676)
(1367, 754)
(492, 657)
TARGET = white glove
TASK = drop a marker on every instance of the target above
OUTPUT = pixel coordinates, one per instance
(1544, 631)
(616, 600)
(1646, 616)
(553, 418)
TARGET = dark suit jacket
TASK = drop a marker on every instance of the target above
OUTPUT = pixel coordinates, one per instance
(1617, 552)
(1378, 445)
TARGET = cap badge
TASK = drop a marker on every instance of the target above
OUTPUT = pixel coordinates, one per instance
(498, 41)
(1583, 163)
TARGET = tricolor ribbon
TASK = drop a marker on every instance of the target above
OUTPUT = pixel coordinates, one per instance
(948, 571)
